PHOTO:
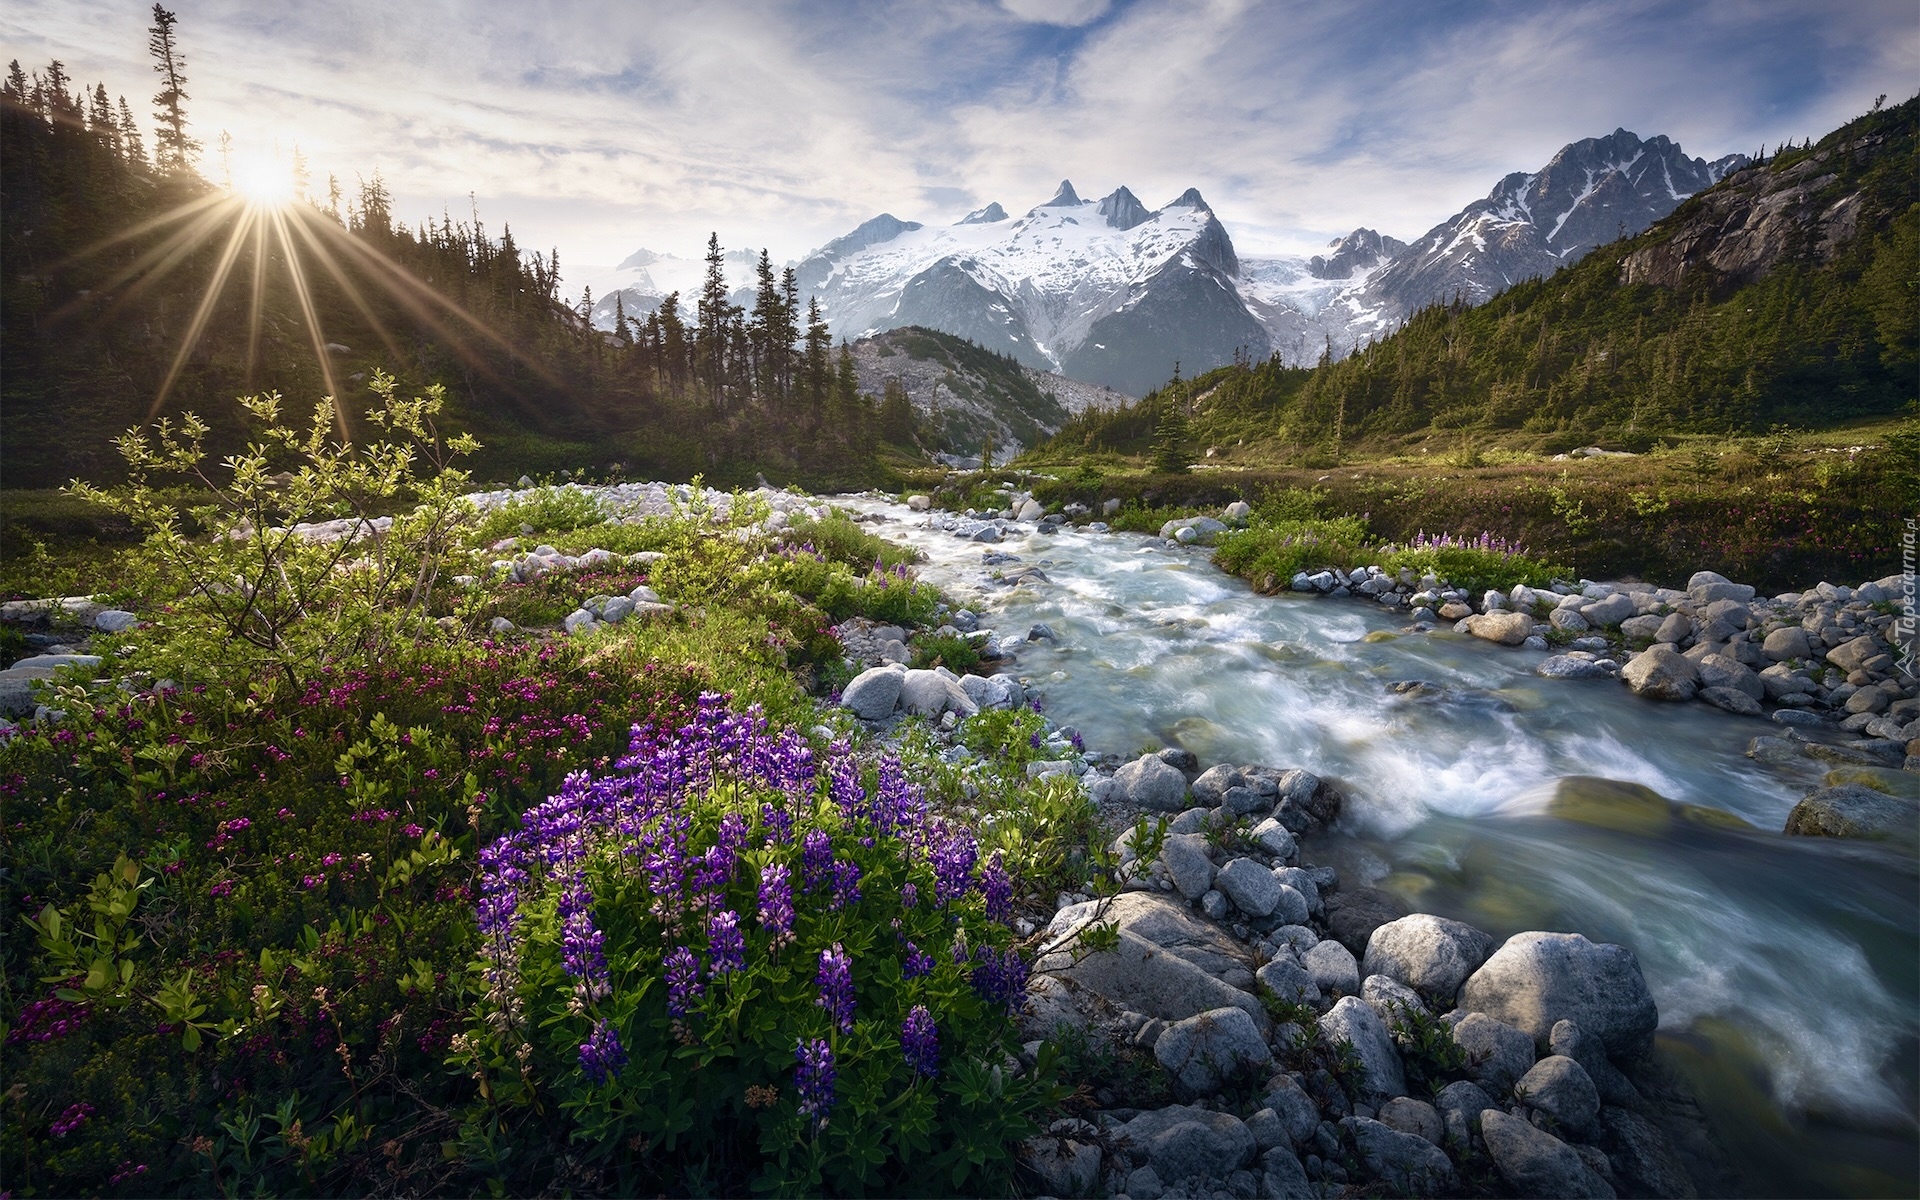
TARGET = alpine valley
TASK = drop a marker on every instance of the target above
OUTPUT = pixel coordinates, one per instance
(1113, 293)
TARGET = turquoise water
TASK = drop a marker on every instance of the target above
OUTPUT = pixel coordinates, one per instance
(1785, 969)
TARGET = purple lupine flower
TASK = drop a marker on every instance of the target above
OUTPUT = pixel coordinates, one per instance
(602, 1055)
(916, 962)
(896, 805)
(726, 948)
(732, 835)
(843, 782)
(683, 981)
(909, 895)
(712, 872)
(582, 944)
(816, 859)
(1033, 739)
(778, 823)
(1000, 978)
(835, 979)
(997, 886)
(920, 1041)
(846, 884)
(776, 902)
(953, 861)
(814, 1079)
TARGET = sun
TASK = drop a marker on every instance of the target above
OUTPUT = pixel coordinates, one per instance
(263, 182)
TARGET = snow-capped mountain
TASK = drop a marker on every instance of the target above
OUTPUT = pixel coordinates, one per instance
(1115, 294)
(1594, 191)
(1105, 290)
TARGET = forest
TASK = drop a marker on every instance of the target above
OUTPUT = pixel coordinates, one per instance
(139, 281)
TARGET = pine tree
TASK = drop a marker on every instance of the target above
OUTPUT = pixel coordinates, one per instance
(131, 143)
(710, 339)
(1170, 452)
(819, 371)
(173, 150)
(764, 329)
(621, 329)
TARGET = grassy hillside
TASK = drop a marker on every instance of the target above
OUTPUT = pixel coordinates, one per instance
(1783, 296)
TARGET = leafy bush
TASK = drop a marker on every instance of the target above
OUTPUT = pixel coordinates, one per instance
(1474, 563)
(734, 963)
(1280, 549)
(542, 510)
(957, 654)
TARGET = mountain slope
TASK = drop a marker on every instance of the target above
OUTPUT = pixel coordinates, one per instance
(1781, 295)
(964, 393)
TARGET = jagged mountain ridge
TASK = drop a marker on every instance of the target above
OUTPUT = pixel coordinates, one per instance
(1115, 294)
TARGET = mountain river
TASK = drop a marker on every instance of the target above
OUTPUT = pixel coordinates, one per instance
(1786, 969)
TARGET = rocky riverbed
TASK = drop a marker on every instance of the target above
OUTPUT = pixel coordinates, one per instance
(1262, 1010)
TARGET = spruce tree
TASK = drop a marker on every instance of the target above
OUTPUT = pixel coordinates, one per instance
(819, 371)
(131, 143)
(710, 339)
(173, 150)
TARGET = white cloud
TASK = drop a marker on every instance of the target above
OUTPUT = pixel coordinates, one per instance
(1069, 13)
(600, 128)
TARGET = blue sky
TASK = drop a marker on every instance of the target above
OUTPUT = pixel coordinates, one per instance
(603, 127)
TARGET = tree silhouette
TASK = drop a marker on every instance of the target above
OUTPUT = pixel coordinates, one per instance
(173, 150)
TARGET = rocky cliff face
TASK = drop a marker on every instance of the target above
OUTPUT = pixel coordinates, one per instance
(1764, 216)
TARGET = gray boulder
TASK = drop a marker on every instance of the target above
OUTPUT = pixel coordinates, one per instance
(1719, 671)
(1181, 1142)
(1730, 700)
(873, 693)
(1169, 964)
(1498, 1053)
(1275, 839)
(1267, 1130)
(930, 693)
(1569, 1040)
(1853, 810)
(1432, 955)
(1332, 967)
(1283, 1178)
(1393, 1000)
(1676, 628)
(114, 620)
(1204, 1052)
(1416, 1117)
(1185, 857)
(1214, 782)
(1301, 881)
(1535, 1163)
(1506, 628)
(1536, 979)
(1148, 782)
(1297, 1112)
(1351, 1021)
(1289, 981)
(1851, 655)
(1707, 586)
(1609, 611)
(1354, 913)
(1291, 907)
(1250, 886)
(1660, 673)
(1065, 1166)
(1408, 1164)
(1788, 642)
(1561, 1088)
(1143, 1183)
(1460, 1104)
(1562, 666)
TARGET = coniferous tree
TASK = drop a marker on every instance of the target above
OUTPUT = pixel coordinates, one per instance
(710, 339)
(131, 143)
(819, 371)
(764, 330)
(173, 150)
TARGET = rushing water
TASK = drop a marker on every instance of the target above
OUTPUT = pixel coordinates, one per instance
(1784, 968)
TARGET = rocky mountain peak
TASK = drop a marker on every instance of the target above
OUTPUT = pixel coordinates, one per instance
(1357, 252)
(883, 228)
(1123, 209)
(984, 216)
(1191, 198)
(1064, 196)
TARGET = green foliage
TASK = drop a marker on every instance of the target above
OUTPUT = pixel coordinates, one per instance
(541, 511)
(1272, 552)
(260, 596)
(1009, 736)
(1431, 1056)
(955, 652)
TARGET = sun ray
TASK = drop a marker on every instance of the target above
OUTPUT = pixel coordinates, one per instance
(259, 298)
(159, 221)
(151, 267)
(300, 222)
(300, 291)
(214, 287)
(398, 274)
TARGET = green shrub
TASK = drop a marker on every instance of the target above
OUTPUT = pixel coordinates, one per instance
(544, 510)
(954, 652)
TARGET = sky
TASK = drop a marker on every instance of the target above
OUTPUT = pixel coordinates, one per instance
(599, 128)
